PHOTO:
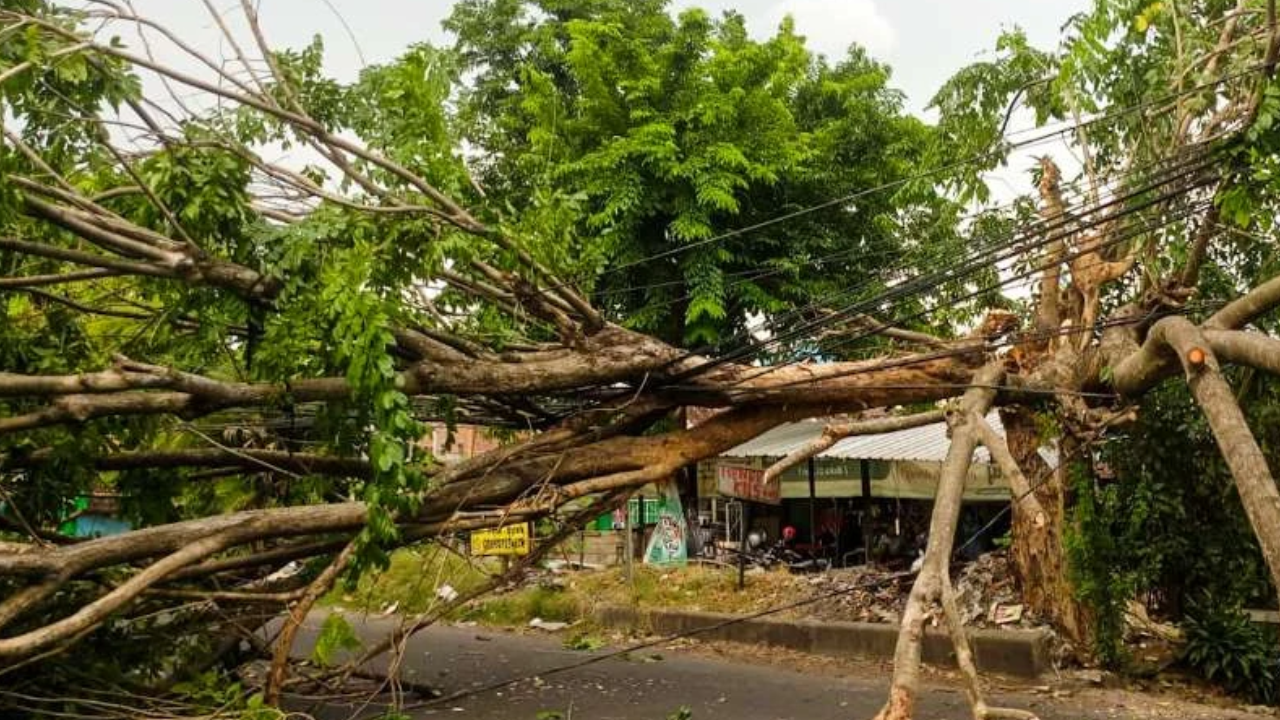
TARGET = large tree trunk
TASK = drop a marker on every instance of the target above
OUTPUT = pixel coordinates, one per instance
(1037, 554)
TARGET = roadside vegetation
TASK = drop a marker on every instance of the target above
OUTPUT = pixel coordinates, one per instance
(412, 581)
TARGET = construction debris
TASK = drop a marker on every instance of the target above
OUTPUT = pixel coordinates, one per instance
(985, 595)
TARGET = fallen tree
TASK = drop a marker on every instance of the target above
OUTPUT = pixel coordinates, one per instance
(180, 310)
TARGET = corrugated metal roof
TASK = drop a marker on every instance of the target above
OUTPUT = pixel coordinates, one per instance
(928, 443)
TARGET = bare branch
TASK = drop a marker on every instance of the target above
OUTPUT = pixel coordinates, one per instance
(99, 610)
(30, 281)
(124, 267)
(1248, 307)
(1023, 492)
(1251, 349)
(298, 613)
(1254, 481)
(931, 582)
(1199, 247)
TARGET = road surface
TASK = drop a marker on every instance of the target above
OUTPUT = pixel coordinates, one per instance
(660, 681)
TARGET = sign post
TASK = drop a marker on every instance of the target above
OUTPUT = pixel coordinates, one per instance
(501, 542)
(742, 545)
(629, 549)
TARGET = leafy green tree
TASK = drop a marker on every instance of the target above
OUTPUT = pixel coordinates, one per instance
(626, 134)
(1138, 90)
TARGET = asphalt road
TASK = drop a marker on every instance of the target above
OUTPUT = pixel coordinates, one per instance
(661, 681)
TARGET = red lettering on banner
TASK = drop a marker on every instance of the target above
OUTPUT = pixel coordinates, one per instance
(748, 484)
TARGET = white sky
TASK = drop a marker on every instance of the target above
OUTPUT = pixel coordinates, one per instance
(924, 41)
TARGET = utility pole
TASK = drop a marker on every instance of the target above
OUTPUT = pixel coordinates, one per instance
(742, 544)
(630, 551)
(813, 503)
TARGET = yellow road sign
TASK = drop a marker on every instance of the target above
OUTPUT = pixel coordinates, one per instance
(509, 540)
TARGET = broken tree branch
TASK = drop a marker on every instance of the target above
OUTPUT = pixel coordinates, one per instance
(933, 580)
(1253, 478)
(835, 432)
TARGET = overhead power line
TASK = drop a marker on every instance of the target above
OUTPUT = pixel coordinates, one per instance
(787, 319)
(985, 258)
(872, 584)
(1003, 147)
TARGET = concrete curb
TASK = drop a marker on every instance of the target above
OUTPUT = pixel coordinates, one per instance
(1018, 653)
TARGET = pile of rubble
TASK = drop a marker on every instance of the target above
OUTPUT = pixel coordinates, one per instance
(985, 594)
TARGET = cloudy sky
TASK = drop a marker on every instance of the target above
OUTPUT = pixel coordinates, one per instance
(923, 40)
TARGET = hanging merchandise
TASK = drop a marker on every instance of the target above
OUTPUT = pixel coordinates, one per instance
(668, 544)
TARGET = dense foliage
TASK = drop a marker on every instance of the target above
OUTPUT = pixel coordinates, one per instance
(619, 132)
(1166, 525)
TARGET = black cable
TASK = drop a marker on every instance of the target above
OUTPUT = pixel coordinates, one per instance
(969, 216)
(934, 280)
(1068, 127)
(1068, 219)
(1040, 481)
(766, 273)
(672, 637)
(896, 254)
(594, 659)
(989, 288)
(967, 350)
(1183, 169)
(1032, 229)
(1067, 223)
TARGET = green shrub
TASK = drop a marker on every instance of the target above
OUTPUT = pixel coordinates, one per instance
(1170, 526)
(1227, 648)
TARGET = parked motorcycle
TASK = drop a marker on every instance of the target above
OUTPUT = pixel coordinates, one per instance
(763, 554)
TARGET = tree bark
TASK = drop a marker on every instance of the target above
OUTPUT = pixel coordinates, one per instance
(1253, 478)
(1037, 554)
(835, 432)
(934, 580)
(968, 669)
(297, 614)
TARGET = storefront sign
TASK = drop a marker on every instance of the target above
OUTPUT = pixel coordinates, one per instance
(747, 484)
(509, 540)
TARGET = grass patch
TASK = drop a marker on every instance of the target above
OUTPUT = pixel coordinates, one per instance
(415, 574)
(412, 580)
(696, 587)
(517, 608)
